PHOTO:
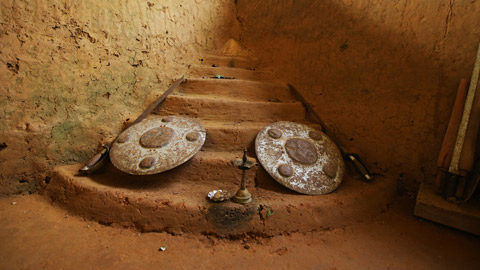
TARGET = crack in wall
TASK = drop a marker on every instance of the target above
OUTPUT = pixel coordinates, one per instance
(448, 18)
(239, 19)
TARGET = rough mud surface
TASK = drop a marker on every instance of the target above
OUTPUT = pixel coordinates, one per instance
(175, 201)
(382, 74)
(36, 235)
(71, 72)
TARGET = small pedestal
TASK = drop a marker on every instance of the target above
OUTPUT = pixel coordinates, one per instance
(463, 216)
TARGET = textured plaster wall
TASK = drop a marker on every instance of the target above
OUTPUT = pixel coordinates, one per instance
(381, 73)
(72, 71)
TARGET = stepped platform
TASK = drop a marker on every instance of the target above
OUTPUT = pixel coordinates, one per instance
(176, 201)
(232, 111)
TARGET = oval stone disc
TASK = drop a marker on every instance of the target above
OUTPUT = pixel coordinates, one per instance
(157, 144)
(302, 158)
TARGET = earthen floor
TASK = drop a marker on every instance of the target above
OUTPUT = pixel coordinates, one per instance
(38, 235)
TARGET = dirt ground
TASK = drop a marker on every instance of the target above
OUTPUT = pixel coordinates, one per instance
(37, 235)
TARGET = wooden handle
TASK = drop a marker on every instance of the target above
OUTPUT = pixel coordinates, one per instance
(359, 167)
(95, 159)
(467, 156)
(445, 156)
(467, 112)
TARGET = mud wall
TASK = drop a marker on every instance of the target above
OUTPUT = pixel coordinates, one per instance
(72, 71)
(381, 73)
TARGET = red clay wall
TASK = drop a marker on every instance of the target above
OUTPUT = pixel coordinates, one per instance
(383, 73)
(72, 71)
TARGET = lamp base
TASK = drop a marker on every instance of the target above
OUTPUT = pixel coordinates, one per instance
(242, 196)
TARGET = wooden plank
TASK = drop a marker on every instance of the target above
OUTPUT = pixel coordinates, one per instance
(431, 206)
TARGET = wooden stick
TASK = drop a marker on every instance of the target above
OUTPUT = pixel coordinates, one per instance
(465, 117)
(465, 164)
(467, 158)
(445, 156)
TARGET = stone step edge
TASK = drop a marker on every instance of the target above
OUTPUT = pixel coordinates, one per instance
(224, 108)
(215, 98)
(229, 61)
(229, 82)
(200, 71)
(243, 90)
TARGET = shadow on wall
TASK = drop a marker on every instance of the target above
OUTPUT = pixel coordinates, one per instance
(382, 74)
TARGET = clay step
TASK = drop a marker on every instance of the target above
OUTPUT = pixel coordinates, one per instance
(234, 136)
(238, 73)
(228, 61)
(231, 136)
(227, 136)
(223, 108)
(215, 168)
(241, 89)
(179, 205)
